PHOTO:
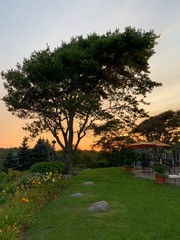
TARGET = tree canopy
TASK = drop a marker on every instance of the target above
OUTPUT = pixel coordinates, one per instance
(81, 84)
(111, 136)
(164, 127)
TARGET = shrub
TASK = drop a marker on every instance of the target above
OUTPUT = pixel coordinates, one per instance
(85, 157)
(103, 164)
(80, 166)
(7, 183)
(98, 164)
(47, 167)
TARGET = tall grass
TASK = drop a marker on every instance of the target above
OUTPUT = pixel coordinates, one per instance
(139, 209)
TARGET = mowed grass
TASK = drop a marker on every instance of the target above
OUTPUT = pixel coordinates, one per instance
(139, 209)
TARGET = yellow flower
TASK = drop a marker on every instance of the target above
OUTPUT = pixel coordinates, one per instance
(25, 200)
(1, 230)
(53, 180)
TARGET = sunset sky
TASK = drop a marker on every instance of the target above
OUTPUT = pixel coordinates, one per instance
(28, 25)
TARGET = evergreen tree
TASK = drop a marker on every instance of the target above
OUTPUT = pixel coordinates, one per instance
(10, 161)
(42, 152)
(24, 155)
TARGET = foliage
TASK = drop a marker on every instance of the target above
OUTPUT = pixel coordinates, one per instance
(85, 157)
(7, 184)
(64, 90)
(24, 156)
(114, 158)
(47, 167)
(98, 164)
(89, 159)
(30, 193)
(112, 136)
(92, 159)
(10, 161)
(163, 127)
(34, 179)
(160, 169)
(3, 154)
(130, 156)
(42, 151)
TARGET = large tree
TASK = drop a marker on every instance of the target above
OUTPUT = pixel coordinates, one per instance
(164, 127)
(86, 81)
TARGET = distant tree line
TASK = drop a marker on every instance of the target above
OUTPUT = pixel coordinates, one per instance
(24, 157)
(101, 159)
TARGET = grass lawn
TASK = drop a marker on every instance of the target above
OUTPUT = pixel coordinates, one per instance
(139, 209)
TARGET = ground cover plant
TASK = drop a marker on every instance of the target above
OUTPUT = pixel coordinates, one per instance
(22, 195)
(138, 209)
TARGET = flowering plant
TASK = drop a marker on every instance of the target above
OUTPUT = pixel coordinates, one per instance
(30, 192)
(160, 169)
(33, 180)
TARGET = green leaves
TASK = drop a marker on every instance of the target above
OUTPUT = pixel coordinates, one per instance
(163, 127)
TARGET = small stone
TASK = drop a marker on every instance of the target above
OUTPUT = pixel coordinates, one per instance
(88, 183)
(75, 173)
(66, 176)
(99, 206)
(77, 195)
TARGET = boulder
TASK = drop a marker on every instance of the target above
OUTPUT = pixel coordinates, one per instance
(66, 176)
(88, 183)
(99, 206)
(77, 194)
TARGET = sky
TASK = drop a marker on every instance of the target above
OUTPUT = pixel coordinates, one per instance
(29, 25)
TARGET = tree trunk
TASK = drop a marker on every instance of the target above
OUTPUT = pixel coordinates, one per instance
(69, 162)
